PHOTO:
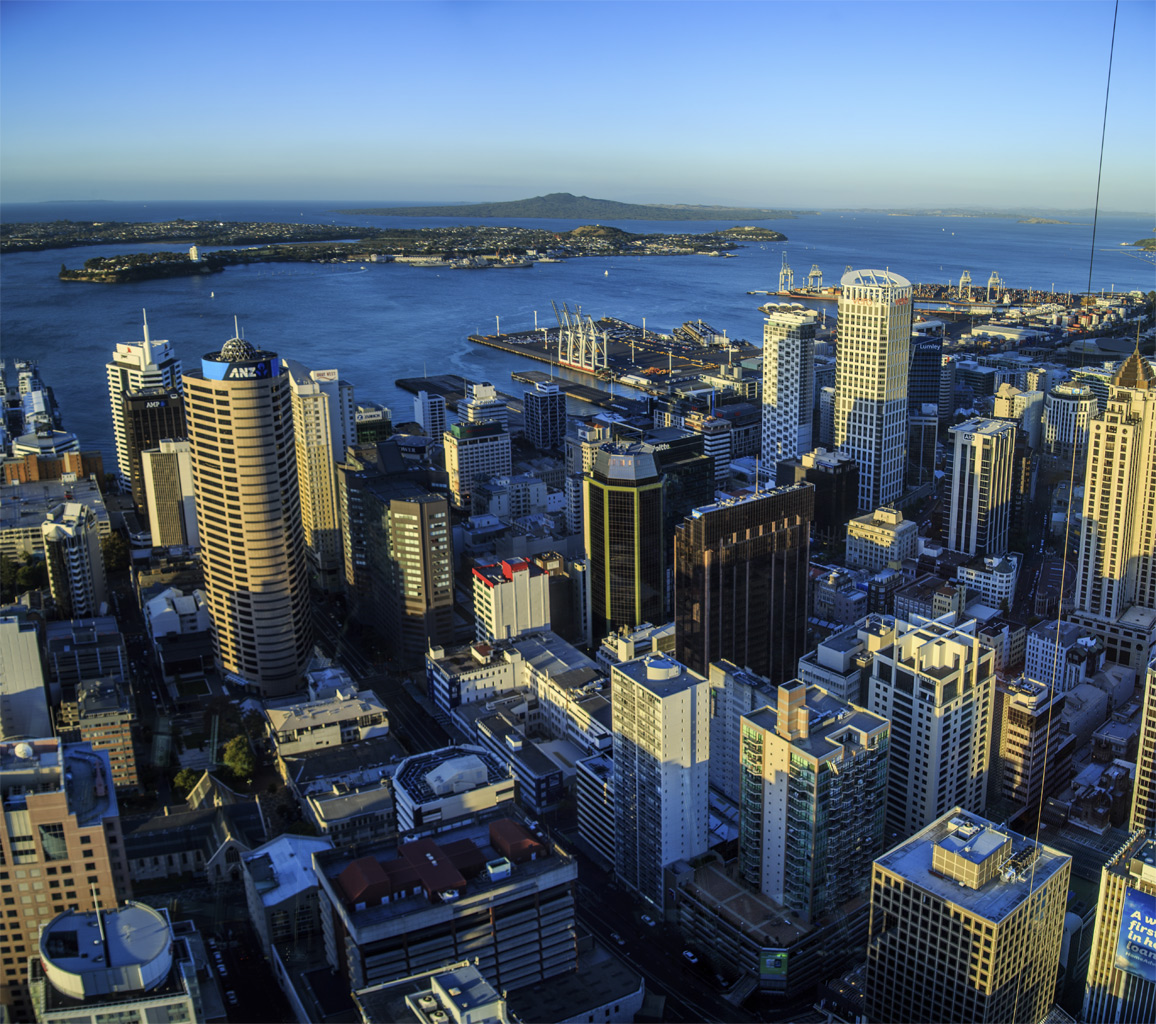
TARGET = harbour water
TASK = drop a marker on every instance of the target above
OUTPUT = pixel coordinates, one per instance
(380, 322)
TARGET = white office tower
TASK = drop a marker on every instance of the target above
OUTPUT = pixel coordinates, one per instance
(511, 597)
(75, 566)
(1067, 409)
(134, 367)
(1024, 407)
(429, 412)
(661, 720)
(172, 505)
(788, 381)
(484, 403)
(871, 363)
(1117, 567)
(936, 687)
(981, 487)
(324, 425)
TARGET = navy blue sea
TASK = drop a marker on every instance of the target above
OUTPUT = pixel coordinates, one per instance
(379, 322)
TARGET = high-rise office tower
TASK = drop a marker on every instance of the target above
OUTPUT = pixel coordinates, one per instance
(323, 427)
(429, 412)
(981, 487)
(167, 471)
(871, 381)
(661, 720)
(740, 582)
(788, 381)
(622, 525)
(935, 685)
(373, 422)
(240, 424)
(544, 409)
(134, 367)
(925, 371)
(398, 549)
(967, 919)
(1121, 986)
(74, 561)
(1144, 787)
(811, 807)
(61, 842)
(717, 443)
(480, 448)
(1067, 410)
(150, 416)
(1117, 568)
(1025, 408)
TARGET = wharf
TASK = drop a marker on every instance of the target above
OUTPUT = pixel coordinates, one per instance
(452, 388)
(581, 392)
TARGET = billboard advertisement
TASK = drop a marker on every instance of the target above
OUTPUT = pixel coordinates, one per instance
(1136, 947)
(773, 963)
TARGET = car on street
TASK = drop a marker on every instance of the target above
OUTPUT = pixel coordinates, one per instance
(618, 938)
(689, 956)
(648, 920)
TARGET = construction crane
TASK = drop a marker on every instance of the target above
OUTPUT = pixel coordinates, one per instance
(965, 281)
(993, 282)
(815, 277)
(580, 343)
(786, 275)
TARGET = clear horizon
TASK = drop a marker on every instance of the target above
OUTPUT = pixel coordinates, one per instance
(825, 106)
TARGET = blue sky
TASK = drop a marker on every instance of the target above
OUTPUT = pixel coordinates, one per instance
(806, 105)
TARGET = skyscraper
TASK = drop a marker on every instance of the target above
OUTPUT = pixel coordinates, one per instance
(1067, 409)
(623, 518)
(788, 381)
(151, 415)
(1117, 568)
(240, 424)
(429, 411)
(479, 448)
(135, 367)
(660, 714)
(935, 685)
(740, 582)
(544, 409)
(981, 487)
(74, 561)
(168, 482)
(966, 924)
(1121, 987)
(812, 783)
(1144, 787)
(323, 427)
(871, 367)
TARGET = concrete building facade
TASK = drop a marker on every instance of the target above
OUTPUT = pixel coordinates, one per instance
(981, 487)
(788, 381)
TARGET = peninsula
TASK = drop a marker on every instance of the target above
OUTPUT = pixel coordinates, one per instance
(564, 206)
(459, 246)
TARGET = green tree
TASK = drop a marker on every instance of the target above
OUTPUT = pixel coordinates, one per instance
(33, 575)
(9, 569)
(184, 781)
(114, 549)
(238, 758)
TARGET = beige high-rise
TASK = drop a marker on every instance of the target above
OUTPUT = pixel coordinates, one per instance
(240, 426)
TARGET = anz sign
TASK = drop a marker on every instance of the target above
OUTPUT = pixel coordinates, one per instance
(254, 369)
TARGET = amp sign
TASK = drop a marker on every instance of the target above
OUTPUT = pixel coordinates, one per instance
(1136, 948)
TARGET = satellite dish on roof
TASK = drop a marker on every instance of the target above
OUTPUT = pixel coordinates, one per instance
(24, 750)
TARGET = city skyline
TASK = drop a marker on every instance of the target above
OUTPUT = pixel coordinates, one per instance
(497, 101)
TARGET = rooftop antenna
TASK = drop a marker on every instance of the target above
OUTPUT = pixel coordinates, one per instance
(99, 919)
(236, 327)
(145, 315)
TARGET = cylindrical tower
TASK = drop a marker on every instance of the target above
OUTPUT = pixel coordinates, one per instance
(240, 427)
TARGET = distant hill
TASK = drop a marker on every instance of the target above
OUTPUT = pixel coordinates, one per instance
(564, 206)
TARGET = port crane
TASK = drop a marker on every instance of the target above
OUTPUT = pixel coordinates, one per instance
(815, 277)
(786, 275)
(994, 282)
(965, 282)
(580, 343)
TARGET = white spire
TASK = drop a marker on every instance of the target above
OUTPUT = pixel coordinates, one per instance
(148, 350)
